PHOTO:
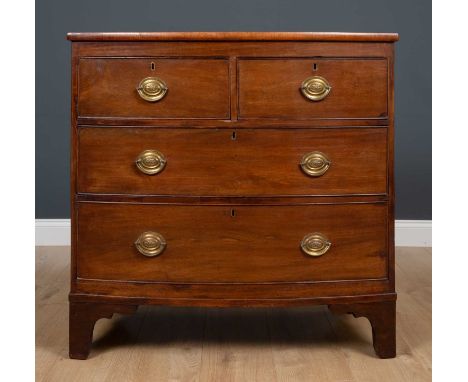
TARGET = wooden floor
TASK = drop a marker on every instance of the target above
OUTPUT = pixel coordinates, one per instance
(194, 344)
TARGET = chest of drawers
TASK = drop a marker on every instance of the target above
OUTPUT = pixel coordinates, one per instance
(232, 169)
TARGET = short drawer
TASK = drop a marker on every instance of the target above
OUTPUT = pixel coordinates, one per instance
(153, 88)
(224, 162)
(242, 244)
(313, 88)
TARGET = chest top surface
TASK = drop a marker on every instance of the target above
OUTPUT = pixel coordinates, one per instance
(232, 36)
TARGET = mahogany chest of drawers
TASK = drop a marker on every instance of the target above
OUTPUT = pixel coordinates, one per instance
(232, 169)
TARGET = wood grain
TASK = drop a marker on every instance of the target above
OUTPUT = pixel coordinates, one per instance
(190, 49)
(270, 88)
(107, 87)
(212, 162)
(231, 36)
(232, 123)
(82, 318)
(241, 245)
(382, 317)
(240, 294)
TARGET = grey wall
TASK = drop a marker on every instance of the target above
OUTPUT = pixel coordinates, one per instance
(412, 19)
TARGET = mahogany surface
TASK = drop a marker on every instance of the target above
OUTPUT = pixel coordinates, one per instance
(268, 88)
(82, 318)
(231, 244)
(108, 87)
(232, 36)
(382, 317)
(230, 162)
(232, 201)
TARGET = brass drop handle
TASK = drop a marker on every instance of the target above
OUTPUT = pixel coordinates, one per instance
(315, 163)
(315, 244)
(150, 243)
(315, 88)
(151, 162)
(152, 89)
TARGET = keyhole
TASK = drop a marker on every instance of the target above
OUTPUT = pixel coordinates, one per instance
(315, 66)
(153, 66)
(234, 136)
(233, 212)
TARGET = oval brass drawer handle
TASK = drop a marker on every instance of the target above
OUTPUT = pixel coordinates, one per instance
(315, 244)
(151, 162)
(150, 243)
(152, 89)
(315, 163)
(315, 88)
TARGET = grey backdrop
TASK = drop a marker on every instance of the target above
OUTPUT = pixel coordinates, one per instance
(410, 18)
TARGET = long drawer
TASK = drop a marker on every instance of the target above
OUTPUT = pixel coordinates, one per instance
(198, 244)
(246, 162)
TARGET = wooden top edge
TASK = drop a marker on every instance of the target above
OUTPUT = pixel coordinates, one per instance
(233, 36)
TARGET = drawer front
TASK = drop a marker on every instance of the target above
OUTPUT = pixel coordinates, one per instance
(231, 243)
(271, 88)
(196, 88)
(225, 162)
